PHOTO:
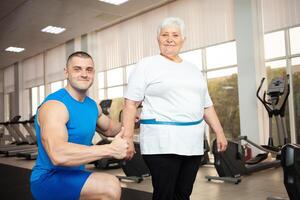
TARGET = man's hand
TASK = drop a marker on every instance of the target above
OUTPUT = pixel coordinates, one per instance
(221, 142)
(119, 146)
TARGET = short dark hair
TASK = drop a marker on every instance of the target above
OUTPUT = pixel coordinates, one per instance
(80, 54)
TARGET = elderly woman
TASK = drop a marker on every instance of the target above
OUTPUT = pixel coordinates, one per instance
(175, 103)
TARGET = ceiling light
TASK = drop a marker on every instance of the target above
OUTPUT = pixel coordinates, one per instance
(53, 30)
(115, 2)
(14, 49)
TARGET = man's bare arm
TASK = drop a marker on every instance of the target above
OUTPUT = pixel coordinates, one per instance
(106, 125)
(52, 118)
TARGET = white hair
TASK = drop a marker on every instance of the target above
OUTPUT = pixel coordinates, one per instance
(172, 21)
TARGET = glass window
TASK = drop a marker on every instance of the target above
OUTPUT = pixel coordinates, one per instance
(34, 100)
(41, 93)
(295, 40)
(115, 77)
(274, 45)
(115, 92)
(296, 87)
(101, 80)
(221, 55)
(223, 91)
(6, 107)
(194, 57)
(221, 73)
(129, 69)
(101, 94)
(275, 69)
(55, 86)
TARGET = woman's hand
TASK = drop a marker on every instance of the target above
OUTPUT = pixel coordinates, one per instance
(130, 150)
(221, 142)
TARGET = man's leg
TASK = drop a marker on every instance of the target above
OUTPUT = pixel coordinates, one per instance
(186, 177)
(101, 186)
(164, 171)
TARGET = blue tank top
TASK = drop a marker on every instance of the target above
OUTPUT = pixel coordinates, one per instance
(81, 129)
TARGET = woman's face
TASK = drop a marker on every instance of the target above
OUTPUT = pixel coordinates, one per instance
(170, 40)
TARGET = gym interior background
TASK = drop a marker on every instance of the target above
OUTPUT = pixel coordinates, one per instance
(234, 42)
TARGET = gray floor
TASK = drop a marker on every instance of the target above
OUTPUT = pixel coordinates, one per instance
(255, 187)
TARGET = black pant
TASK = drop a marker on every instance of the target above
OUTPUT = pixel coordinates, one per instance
(173, 176)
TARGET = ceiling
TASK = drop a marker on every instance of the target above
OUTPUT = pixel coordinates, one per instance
(22, 20)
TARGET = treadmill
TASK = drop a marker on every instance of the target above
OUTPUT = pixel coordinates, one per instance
(22, 143)
(30, 154)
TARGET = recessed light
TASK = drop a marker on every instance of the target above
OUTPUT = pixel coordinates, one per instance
(53, 29)
(115, 2)
(15, 49)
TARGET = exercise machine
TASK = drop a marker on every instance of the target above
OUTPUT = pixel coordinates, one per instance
(106, 163)
(290, 162)
(135, 169)
(274, 100)
(29, 139)
(20, 141)
(231, 164)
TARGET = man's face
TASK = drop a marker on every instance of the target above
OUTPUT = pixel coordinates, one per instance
(170, 41)
(80, 73)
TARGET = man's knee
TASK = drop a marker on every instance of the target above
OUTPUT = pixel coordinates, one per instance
(113, 188)
(102, 186)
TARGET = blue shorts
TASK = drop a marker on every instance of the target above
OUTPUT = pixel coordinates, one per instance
(59, 184)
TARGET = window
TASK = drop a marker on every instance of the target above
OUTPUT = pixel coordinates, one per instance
(7, 106)
(115, 77)
(274, 45)
(221, 55)
(101, 85)
(37, 97)
(101, 80)
(275, 69)
(221, 73)
(223, 89)
(296, 88)
(194, 57)
(55, 86)
(34, 100)
(41, 94)
(115, 92)
(101, 94)
(295, 40)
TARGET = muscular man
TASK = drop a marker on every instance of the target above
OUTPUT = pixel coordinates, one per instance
(65, 125)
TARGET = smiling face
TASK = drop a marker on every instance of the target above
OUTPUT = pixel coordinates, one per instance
(80, 73)
(170, 40)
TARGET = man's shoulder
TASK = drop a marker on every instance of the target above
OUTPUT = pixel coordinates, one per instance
(54, 100)
(59, 94)
(53, 105)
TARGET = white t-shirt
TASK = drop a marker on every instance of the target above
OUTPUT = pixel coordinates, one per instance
(172, 92)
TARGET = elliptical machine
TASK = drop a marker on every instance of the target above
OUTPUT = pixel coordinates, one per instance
(278, 93)
(231, 164)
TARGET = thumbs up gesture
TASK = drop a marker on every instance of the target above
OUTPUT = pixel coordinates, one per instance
(119, 145)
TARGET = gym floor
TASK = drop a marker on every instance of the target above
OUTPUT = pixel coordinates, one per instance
(258, 186)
